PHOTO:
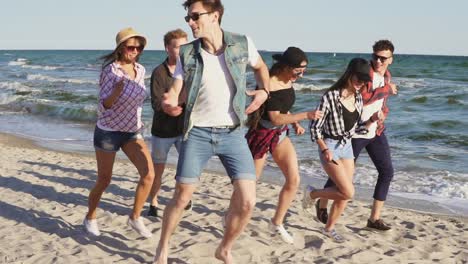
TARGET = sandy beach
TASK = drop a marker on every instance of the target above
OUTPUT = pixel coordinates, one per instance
(44, 199)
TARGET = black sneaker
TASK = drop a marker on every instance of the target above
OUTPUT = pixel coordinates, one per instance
(322, 214)
(378, 225)
(153, 211)
(189, 206)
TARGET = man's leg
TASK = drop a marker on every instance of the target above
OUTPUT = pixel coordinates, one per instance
(171, 218)
(379, 152)
(237, 218)
(194, 154)
(159, 150)
(233, 151)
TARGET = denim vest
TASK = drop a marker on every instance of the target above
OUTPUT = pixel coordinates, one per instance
(236, 56)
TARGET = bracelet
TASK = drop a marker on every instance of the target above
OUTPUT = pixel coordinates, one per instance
(323, 151)
(266, 91)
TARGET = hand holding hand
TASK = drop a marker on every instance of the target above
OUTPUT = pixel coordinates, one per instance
(313, 115)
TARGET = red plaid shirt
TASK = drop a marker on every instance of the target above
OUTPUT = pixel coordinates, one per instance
(370, 95)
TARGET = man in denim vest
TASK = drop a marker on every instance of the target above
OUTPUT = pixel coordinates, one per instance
(213, 71)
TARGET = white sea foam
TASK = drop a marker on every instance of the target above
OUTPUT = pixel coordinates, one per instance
(18, 62)
(40, 77)
(307, 87)
(41, 67)
(437, 183)
(14, 86)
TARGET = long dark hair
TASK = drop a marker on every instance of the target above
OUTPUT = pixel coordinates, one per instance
(117, 54)
(254, 118)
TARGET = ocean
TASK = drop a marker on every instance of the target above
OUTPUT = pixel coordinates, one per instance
(50, 96)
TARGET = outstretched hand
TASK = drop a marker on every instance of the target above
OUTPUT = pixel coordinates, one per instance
(313, 115)
(298, 129)
(260, 97)
(169, 105)
(393, 88)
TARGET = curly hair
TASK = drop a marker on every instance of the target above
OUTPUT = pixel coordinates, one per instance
(383, 44)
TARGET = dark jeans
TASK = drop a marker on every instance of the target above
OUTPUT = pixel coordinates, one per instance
(379, 152)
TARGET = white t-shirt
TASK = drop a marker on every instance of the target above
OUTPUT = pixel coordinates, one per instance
(213, 107)
(370, 109)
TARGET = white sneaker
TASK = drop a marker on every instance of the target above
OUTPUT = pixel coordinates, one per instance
(333, 235)
(91, 226)
(139, 226)
(307, 202)
(279, 229)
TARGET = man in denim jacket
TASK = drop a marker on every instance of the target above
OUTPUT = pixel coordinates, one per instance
(213, 71)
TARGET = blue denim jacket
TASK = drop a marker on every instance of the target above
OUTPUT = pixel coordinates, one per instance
(236, 56)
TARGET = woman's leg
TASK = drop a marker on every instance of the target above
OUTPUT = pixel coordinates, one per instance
(105, 163)
(259, 165)
(286, 158)
(139, 155)
(345, 180)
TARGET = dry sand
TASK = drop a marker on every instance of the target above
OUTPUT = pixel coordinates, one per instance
(44, 197)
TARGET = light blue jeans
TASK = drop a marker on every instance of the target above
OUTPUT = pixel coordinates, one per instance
(161, 146)
(228, 144)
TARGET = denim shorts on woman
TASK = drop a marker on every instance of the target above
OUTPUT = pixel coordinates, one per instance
(228, 144)
(339, 151)
(112, 141)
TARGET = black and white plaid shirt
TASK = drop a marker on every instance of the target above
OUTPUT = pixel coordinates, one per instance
(332, 122)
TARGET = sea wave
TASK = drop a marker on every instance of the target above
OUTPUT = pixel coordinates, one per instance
(16, 86)
(433, 183)
(18, 62)
(41, 67)
(45, 107)
(40, 77)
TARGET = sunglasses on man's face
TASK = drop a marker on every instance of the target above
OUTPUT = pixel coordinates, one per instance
(381, 58)
(132, 48)
(194, 16)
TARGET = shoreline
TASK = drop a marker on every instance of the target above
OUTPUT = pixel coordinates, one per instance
(274, 176)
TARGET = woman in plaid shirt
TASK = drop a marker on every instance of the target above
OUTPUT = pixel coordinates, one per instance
(121, 96)
(342, 107)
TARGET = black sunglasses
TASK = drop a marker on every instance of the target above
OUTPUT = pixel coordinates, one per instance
(132, 48)
(381, 58)
(194, 16)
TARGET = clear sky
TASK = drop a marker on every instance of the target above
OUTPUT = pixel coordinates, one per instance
(414, 26)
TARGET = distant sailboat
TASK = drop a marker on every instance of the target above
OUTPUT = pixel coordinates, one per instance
(334, 54)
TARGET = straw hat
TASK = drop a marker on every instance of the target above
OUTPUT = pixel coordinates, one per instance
(127, 33)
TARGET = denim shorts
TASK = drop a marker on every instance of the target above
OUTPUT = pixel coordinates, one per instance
(339, 151)
(112, 141)
(228, 144)
(161, 146)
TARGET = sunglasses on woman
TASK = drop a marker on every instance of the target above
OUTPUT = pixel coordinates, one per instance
(132, 48)
(194, 16)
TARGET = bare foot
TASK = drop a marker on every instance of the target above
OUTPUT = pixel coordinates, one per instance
(161, 256)
(224, 255)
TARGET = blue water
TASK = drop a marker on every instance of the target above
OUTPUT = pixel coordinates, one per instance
(51, 96)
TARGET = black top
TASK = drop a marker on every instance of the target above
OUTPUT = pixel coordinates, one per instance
(164, 125)
(281, 100)
(349, 118)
